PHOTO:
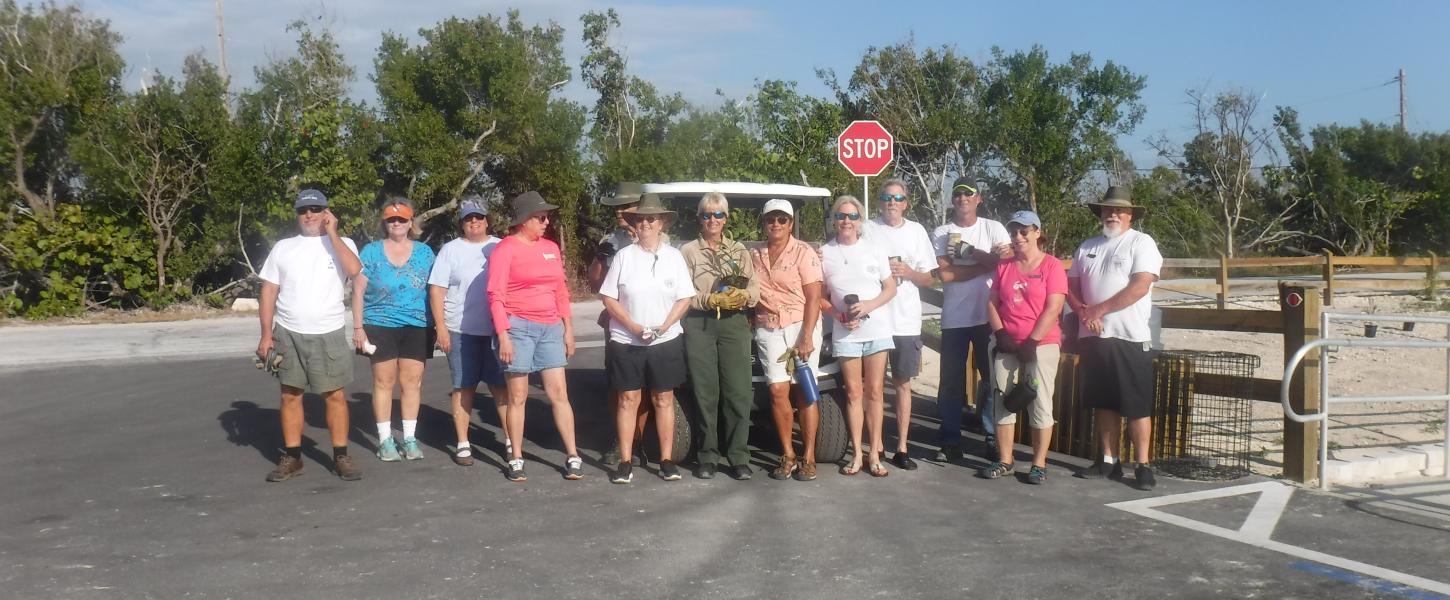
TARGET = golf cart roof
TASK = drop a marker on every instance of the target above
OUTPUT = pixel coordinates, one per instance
(737, 190)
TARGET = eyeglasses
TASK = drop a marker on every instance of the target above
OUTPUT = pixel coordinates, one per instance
(647, 218)
(474, 217)
(395, 220)
(719, 214)
(776, 220)
(841, 216)
(310, 210)
(1016, 231)
(893, 197)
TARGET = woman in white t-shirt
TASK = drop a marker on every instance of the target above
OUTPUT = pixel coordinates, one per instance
(858, 281)
(646, 292)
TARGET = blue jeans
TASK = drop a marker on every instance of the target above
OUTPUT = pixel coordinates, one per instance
(951, 398)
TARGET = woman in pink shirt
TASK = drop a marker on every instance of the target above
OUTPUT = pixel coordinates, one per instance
(529, 299)
(1026, 301)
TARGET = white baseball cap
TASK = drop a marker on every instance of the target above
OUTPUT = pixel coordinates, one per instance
(778, 205)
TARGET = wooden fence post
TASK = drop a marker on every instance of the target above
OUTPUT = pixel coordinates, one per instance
(1301, 308)
(1328, 278)
(1432, 285)
(1222, 281)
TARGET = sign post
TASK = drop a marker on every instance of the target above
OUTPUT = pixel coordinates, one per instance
(865, 148)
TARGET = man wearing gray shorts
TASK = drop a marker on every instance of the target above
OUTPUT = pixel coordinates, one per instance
(304, 329)
(912, 257)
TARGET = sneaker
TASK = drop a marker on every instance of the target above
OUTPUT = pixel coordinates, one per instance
(573, 468)
(1143, 478)
(1036, 475)
(388, 450)
(705, 471)
(668, 471)
(1098, 470)
(740, 472)
(623, 474)
(903, 461)
(949, 453)
(287, 468)
(411, 451)
(346, 469)
(610, 458)
(995, 470)
(461, 459)
(515, 471)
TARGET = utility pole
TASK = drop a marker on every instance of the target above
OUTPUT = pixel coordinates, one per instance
(1401, 97)
(221, 44)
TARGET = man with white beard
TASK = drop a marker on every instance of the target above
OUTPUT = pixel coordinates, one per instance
(1110, 288)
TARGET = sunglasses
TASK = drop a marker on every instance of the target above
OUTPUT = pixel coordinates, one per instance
(474, 217)
(647, 218)
(395, 220)
(311, 210)
(540, 218)
(719, 214)
(1016, 231)
(841, 216)
(776, 220)
(893, 197)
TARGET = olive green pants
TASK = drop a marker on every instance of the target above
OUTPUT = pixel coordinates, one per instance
(718, 354)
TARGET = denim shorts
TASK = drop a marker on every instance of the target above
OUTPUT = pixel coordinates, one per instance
(471, 359)
(537, 346)
(860, 349)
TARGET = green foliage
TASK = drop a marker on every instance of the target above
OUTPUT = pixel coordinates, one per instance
(74, 259)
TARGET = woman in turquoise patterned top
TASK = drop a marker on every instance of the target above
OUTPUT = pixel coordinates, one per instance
(390, 318)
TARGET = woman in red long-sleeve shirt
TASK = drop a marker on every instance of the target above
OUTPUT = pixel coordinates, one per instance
(529, 299)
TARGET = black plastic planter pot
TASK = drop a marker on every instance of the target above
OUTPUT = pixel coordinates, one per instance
(1409, 326)
(1371, 329)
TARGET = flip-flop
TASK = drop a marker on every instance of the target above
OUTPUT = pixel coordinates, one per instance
(851, 468)
(879, 470)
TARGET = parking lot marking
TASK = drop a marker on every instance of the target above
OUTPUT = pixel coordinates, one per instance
(1258, 528)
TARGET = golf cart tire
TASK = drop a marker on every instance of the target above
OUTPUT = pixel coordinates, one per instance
(832, 438)
(684, 431)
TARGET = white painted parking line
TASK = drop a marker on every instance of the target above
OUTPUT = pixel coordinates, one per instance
(1259, 527)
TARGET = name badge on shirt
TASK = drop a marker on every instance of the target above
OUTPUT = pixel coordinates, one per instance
(550, 256)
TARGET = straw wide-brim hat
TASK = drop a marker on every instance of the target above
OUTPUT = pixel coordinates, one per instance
(527, 204)
(650, 204)
(1117, 197)
(626, 192)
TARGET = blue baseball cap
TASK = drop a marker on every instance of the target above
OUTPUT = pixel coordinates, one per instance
(1025, 217)
(472, 204)
(310, 197)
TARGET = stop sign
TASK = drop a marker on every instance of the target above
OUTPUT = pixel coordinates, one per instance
(865, 148)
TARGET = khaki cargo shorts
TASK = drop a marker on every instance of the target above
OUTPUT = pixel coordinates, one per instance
(318, 363)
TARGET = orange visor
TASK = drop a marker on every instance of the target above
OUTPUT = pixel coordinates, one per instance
(397, 210)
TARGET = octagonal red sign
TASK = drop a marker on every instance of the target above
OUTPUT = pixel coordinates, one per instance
(865, 148)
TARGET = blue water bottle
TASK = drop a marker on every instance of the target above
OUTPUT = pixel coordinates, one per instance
(806, 379)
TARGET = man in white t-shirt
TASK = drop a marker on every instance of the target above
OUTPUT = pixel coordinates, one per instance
(304, 329)
(912, 258)
(1110, 288)
(967, 251)
(458, 298)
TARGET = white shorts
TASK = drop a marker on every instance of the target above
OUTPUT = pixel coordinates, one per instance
(1006, 370)
(770, 344)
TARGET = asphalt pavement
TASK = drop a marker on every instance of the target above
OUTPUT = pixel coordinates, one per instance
(144, 479)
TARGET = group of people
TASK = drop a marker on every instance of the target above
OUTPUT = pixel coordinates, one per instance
(500, 311)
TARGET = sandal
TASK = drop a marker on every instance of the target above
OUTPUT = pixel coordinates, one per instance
(851, 468)
(879, 470)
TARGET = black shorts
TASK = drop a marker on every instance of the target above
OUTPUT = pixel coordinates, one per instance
(1117, 376)
(400, 342)
(656, 368)
(906, 357)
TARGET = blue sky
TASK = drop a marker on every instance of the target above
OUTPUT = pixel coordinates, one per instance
(1317, 56)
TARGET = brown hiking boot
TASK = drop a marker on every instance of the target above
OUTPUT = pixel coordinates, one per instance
(784, 470)
(346, 469)
(286, 468)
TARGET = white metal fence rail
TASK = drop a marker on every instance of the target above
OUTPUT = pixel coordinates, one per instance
(1326, 399)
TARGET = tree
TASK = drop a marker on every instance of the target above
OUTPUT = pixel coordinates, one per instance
(930, 102)
(1222, 165)
(1051, 124)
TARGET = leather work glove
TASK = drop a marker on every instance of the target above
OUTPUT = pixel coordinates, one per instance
(732, 299)
(1005, 345)
(1027, 351)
